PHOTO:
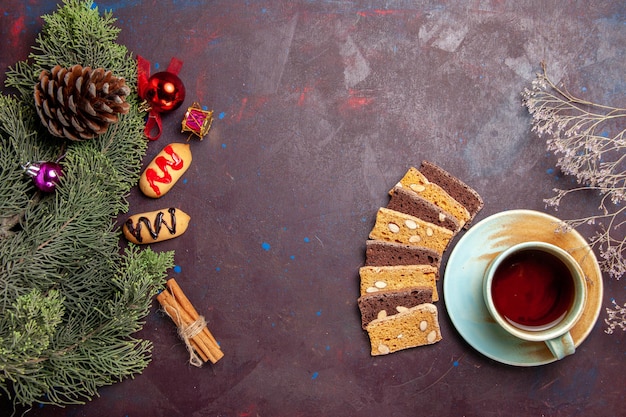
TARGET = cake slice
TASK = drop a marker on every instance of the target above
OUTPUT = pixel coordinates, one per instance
(381, 253)
(387, 303)
(456, 188)
(398, 277)
(415, 181)
(409, 202)
(414, 327)
(394, 226)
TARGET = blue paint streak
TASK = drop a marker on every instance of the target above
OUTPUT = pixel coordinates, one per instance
(185, 3)
(119, 5)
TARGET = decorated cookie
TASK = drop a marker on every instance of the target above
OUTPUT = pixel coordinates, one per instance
(155, 226)
(165, 169)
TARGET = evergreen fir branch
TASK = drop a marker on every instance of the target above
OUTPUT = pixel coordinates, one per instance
(75, 34)
(20, 144)
(70, 300)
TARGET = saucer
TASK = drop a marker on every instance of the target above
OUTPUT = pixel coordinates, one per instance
(462, 283)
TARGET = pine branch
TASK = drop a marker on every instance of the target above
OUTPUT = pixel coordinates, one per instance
(70, 299)
(75, 34)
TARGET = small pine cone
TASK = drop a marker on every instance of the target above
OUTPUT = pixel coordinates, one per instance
(79, 103)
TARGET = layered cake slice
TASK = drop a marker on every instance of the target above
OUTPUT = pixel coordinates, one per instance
(382, 253)
(382, 304)
(414, 327)
(427, 207)
(456, 188)
(409, 202)
(415, 181)
(398, 277)
(393, 226)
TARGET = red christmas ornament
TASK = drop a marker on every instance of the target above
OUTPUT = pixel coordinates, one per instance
(162, 92)
(165, 92)
(45, 175)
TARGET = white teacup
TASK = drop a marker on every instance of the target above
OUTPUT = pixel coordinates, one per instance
(536, 291)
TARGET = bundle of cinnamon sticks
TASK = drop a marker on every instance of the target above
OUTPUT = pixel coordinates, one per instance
(191, 326)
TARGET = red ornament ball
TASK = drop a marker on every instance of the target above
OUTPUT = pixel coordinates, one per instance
(164, 92)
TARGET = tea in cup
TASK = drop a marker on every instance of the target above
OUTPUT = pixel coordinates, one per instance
(536, 291)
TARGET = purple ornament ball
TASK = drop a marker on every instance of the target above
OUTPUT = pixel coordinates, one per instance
(45, 175)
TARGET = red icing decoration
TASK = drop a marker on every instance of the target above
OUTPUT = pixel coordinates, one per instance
(163, 163)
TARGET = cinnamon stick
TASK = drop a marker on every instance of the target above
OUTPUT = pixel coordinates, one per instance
(184, 315)
(165, 300)
(210, 342)
(184, 302)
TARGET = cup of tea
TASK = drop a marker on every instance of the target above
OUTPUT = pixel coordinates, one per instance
(536, 291)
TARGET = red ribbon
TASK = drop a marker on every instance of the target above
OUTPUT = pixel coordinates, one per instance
(143, 74)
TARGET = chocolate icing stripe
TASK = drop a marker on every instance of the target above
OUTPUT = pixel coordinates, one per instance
(135, 230)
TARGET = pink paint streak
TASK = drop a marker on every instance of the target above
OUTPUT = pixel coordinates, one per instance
(16, 29)
(251, 411)
(380, 12)
(303, 94)
(357, 101)
(244, 103)
(250, 107)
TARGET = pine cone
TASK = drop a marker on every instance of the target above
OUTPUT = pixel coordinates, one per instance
(79, 103)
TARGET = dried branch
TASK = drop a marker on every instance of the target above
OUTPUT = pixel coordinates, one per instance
(589, 140)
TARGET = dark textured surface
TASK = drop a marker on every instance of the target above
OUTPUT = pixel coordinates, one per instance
(321, 106)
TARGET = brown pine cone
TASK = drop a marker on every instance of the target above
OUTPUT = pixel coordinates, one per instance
(79, 103)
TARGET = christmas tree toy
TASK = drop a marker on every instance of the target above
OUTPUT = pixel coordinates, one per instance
(71, 144)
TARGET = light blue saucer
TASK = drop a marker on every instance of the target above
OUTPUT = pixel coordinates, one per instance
(462, 283)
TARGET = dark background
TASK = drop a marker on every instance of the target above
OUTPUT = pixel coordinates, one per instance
(320, 107)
